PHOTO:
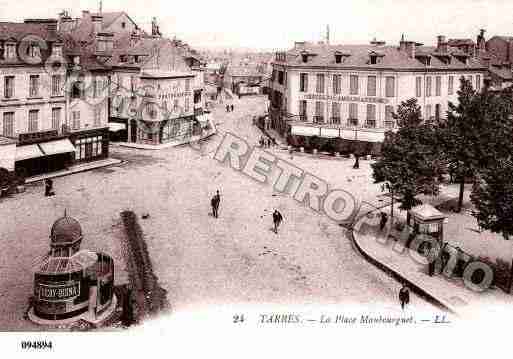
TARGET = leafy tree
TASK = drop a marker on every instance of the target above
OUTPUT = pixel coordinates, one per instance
(409, 163)
(473, 135)
(492, 196)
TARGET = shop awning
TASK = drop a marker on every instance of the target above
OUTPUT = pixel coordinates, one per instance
(28, 151)
(56, 147)
(116, 126)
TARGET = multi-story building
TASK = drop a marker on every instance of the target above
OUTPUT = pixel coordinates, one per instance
(159, 99)
(32, 97)
(349, 92)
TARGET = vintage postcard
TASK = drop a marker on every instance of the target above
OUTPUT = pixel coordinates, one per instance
(228, 177)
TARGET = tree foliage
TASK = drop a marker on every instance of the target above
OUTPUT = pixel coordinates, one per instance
(410, 163)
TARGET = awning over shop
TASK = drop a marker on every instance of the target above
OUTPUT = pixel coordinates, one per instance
(28, 151)
(55, 147)
(116, 126)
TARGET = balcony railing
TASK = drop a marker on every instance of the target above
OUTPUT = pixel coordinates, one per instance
(318, 119)
(335, 120)
(370, 124)
(351, 122)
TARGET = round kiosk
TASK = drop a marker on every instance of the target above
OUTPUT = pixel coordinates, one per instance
(72, 284)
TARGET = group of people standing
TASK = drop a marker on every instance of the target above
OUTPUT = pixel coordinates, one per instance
(216, 200)
(229, 108)
(265, 142)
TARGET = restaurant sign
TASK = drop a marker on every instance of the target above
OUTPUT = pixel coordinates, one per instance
(56, 293)
(344, 98)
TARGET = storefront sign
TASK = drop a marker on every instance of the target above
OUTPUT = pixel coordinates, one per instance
(169, 95)
(344, 98)
(57, 293)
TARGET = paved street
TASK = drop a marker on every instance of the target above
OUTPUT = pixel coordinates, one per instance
(201, 260)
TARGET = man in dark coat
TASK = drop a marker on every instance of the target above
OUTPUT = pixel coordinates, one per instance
(383, 221)
(404, 296)
(215, 204)
(231, 107)
(277, 219)
(49, 187)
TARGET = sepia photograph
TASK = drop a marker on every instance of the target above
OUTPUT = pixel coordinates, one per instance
(196, 176)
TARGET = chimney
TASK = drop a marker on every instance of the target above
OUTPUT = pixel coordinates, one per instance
(410, 47)
(97, 21)
(481, 43)
(442, 45)
(402, 43)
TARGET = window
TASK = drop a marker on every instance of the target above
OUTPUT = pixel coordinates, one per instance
(319, 112)
(303, 82)
(304, 57)
(389, 119)
(97, 116)
(428, 112)
(34, 86)
(123, 25)
(438, 111)
(281, 78)
(33, 120)
(337, 82)
(390, 86)
(56, 118)
(10, 52)
(335, 113)
(186, 104)
(371, 116)
(320, 83)
(56, 85)
(77, 90)
(450, 87)
(9, 87)
(438, 86)
(101, 46)
(353, 85)
(478, 82)
(302, 110)
(338, 58)
(33, 51)
(470, 79)
(187, 84)
(8, 124)
(428, 86)
(418, 86)
(373, 60)
(353, 114)
(371, 86)
(75, 117)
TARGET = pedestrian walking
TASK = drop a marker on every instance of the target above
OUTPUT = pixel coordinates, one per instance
(231, 106)
(356, 162)
(383, 221)
(277, 219)
(404, 296)
(227, 108)
(215, 204)
(49, 188)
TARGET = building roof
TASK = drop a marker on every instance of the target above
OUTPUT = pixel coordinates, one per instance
(17, 31)
(357, 56)
(243, 71)
(158, 74)
(426, 212)
(460, 42)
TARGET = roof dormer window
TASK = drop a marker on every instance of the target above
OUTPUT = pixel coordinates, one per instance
(304, 57)
(33, 51)
(373, 60)
(10, 51)
(338, 58)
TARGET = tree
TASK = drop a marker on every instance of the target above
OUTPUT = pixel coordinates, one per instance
(469, 134)
(492, 196)
(492, 191)
(410, 163)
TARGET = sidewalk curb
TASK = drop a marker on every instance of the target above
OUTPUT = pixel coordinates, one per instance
(49, 175)
(398, 277)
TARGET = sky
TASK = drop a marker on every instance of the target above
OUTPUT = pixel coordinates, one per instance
(276, 24)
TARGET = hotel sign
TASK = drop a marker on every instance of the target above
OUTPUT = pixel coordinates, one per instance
(57, 293)
(344, 98)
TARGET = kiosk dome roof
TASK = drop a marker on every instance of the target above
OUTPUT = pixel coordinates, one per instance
(65, 230)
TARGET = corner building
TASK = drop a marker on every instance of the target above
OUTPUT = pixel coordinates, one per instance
(341, 93)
